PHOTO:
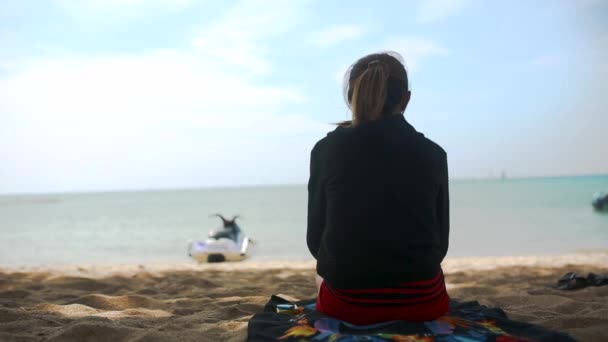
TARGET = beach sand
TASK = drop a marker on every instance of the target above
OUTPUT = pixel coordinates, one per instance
(192, 302)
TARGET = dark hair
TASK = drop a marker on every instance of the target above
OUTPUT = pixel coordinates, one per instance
(374, 86)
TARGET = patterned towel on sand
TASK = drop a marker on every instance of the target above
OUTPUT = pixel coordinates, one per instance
(466, 321)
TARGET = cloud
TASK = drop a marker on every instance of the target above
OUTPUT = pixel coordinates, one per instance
(414, 49)
(235, 37)
(434, 10)
(169, 117)
(108, 15)
(199, 116)
(335, 35)
(130, 7)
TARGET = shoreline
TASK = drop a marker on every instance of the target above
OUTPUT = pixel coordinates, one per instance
(596, 258)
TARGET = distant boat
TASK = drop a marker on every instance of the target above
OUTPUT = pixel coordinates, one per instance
(600, 201)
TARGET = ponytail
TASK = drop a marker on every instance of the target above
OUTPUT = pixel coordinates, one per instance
(375, 86)
(369, 92)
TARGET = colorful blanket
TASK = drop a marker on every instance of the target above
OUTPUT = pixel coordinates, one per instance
(466, 321)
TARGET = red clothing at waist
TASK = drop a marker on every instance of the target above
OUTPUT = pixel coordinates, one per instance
(415, 301)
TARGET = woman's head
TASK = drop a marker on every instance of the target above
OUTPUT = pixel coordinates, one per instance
(375, 86)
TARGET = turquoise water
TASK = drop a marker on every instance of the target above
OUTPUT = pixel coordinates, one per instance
(537, 216)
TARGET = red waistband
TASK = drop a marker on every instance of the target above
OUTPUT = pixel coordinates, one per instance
(412, 301)
(420, 287)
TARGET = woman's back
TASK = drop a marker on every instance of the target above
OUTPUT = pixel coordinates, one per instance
(378, 209)
(382, 211)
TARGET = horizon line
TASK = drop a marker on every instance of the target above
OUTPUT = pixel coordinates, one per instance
(237, 186)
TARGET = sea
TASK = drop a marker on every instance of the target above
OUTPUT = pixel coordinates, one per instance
(491, 217)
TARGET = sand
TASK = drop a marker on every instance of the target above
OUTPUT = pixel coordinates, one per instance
(192, 302)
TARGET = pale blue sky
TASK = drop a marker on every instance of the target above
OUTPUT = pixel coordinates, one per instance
(139, 94)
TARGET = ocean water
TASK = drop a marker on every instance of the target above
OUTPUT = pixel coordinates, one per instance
(536, 216)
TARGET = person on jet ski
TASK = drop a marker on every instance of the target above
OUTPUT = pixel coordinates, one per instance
(230, 229)
(600, 201)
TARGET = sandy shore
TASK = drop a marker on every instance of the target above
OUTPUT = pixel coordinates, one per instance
(190, 302)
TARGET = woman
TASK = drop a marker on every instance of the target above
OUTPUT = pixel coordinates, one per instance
(378, 207)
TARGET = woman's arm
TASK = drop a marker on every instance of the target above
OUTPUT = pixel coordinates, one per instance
(443, 206)
(316, 205)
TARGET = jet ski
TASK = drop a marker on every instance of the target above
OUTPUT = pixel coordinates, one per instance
(600, 201)
(228, 243)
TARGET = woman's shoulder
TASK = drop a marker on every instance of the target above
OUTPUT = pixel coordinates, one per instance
(340, 133)
(435, 147)
(425, 141)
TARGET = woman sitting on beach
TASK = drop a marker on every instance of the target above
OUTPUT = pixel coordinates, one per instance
(378, 207)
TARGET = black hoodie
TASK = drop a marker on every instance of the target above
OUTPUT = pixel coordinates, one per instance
(378, 205)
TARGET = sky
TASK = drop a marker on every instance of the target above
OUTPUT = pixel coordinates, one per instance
(100, 95)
